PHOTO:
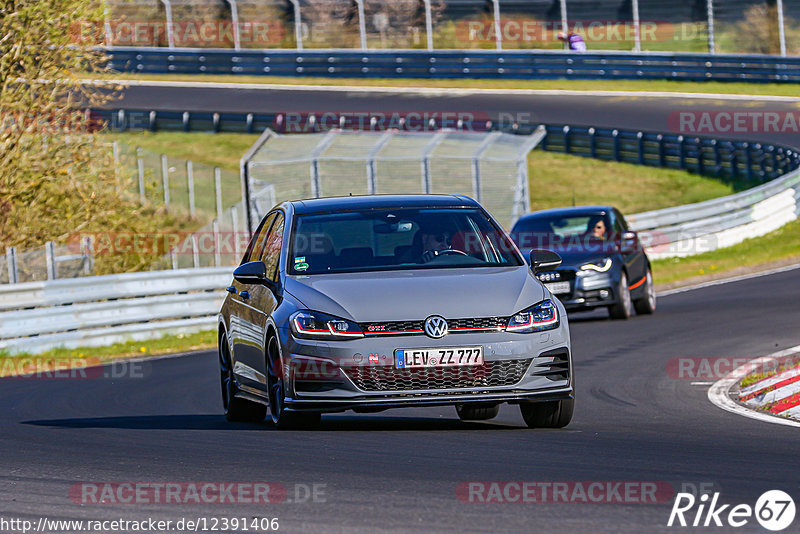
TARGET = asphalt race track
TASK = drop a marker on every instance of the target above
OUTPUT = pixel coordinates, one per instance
(651, 113)
(398, 471)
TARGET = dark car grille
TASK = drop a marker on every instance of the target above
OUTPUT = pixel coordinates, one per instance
(552, 364)
(416, 327)
(387, 378)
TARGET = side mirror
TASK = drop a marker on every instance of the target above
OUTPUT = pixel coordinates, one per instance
(628, 242)
(254, 272)
(544, 260)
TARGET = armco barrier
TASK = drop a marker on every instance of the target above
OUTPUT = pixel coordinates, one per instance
(521, 64)
(101, 310)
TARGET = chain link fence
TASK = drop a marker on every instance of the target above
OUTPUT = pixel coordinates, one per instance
(731, 26)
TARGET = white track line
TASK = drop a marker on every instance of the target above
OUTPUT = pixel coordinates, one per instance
(718, 393)
(437, 91)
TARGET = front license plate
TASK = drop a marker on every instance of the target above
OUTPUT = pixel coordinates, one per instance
(558, 288)
(438, 357)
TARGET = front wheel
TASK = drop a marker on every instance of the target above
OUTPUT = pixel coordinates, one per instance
(647, 304)
(239, 410)
(551, 414)
(281, 417)
(623, 309)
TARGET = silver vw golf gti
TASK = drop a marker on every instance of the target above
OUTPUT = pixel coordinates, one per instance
(376, 302)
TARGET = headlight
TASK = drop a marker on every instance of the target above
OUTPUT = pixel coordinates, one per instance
(316, 325)
(542, 316)
(600, 266)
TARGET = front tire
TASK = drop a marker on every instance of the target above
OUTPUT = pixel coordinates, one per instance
(477, 413)
(236, 410)
(281, 417)
(623, 309)
(551, 414)
(647, 304)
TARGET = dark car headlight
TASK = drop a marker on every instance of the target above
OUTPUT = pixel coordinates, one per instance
(542, 316)
(316, 325)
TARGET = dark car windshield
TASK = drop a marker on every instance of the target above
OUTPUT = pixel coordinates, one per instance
(587, 231)
(392, 239)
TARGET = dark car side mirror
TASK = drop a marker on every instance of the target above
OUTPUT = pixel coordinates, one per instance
(544, 260)
(628, 242)
(254, 272)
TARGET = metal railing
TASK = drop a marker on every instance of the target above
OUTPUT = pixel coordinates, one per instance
(520, 64)
(101, 310)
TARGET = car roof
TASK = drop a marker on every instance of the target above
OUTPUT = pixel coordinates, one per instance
(566, 212)
(328, 204)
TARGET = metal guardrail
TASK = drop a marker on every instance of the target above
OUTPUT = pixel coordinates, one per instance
(521, 64)
(101, 310)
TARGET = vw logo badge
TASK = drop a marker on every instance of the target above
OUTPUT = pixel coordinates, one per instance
(435, 326)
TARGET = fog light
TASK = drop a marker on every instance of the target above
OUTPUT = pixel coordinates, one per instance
(604, 293)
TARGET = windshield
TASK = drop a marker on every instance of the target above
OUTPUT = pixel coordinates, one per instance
(392, 239)
(583, 231)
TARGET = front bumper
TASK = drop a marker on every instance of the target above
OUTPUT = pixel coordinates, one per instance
(359, 374)
(588, 290)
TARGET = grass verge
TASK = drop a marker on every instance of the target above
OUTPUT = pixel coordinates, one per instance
(734, 88)
(61, 359)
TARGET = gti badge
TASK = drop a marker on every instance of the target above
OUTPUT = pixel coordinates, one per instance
(436, 326)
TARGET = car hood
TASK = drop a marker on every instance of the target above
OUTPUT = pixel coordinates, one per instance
(416, 294)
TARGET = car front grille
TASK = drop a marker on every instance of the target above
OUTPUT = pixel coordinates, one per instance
(387, 378)
(454, 326)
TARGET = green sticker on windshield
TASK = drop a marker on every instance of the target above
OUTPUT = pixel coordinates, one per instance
(302, 266)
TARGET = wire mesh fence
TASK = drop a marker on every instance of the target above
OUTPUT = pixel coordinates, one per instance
(734, 26)
(488, 166)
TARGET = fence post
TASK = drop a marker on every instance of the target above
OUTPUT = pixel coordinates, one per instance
(140, 171)
(564, 22)
(170, 32)
(237, 40)
(50, 259)
(173, 256)
(498, 32)
(190, 186)
(298, 25)
(362, 26)
(11, 260)
(218, 191)
(87, 249)
(428, 24)
(781, 27)
(637, 27)
(195, 252)
(215, 229)
(710, 18)
(165, 179)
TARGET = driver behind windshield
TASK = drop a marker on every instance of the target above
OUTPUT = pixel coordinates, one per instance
(597, 227)
(433, 243)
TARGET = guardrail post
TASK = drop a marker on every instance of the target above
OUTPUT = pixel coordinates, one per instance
(717, 157)
(640, 137)
(218, 191)
(121, 121)
(185, 119)
(11, 260)
(734, 162)
(87, 249)
(190, 187)
(701, 169)
(567, 139)
(771, 160)
(165, 179)
(195, 252)
(50, 259)
(681, 152)
(661, 157)
(173, 256)
(748, 159)
(592, 142)
(615, 137)
(151, 121)
(140, 172)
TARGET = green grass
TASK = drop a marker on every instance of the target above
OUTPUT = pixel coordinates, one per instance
(737, 88)
(782, 244)
(62, 358)
(558, 180)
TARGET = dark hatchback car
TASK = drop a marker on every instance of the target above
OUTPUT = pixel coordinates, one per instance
(604, 264)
